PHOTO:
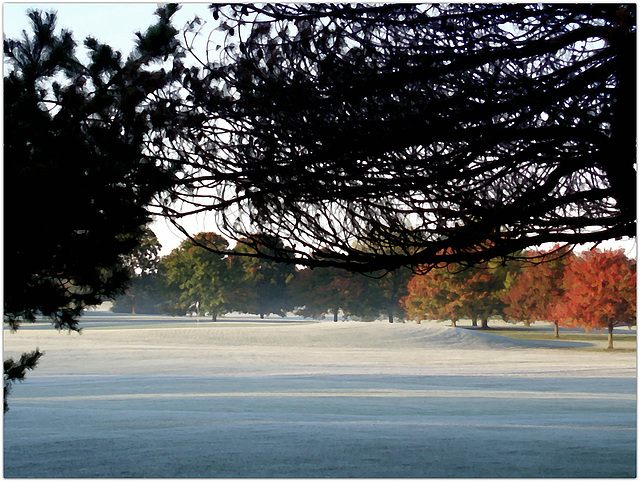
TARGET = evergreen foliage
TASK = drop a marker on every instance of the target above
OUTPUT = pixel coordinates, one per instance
(77, 178)
(457, 133)
(17, 370)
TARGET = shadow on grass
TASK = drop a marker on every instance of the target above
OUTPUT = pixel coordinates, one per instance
(569, 339)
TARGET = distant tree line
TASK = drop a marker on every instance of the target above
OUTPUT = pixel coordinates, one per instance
(194, 280)
(594, 289)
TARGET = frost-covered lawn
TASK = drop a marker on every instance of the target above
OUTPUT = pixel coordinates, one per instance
(237, 398)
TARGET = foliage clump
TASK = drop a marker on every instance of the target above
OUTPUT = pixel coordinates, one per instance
(593, 289)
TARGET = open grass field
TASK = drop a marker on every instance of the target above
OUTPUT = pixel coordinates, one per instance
(182, 398)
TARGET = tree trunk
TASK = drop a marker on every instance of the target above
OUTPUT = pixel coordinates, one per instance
(417, 321)
(474, 321)
(610, 346)
(453, 323)
(214, 317)
(133, 303)
(335, 315)
(390, 317)
(527, 323)
(556, 329)
(484, 322)
(262, 316)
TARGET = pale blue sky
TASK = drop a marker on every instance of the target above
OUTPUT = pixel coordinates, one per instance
(111, 23)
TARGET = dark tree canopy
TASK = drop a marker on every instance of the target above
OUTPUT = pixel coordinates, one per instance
(77, 179)
(371, 136)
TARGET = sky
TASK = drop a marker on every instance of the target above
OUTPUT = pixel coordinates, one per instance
(116, 24)
(112, 23)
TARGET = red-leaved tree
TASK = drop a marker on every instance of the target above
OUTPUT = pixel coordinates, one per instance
(533, 292)
(600, 292)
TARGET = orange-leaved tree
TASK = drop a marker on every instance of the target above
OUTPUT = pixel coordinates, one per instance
(432, 296)
(455, 292)
(600, 291)
(533, 292)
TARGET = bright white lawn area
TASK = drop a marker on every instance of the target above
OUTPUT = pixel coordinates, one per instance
(304, 399)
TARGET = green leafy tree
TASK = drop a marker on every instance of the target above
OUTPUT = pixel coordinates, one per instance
(327, 290)
(201, 276)
(145, 257)
(167, 293)
(265, 282)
